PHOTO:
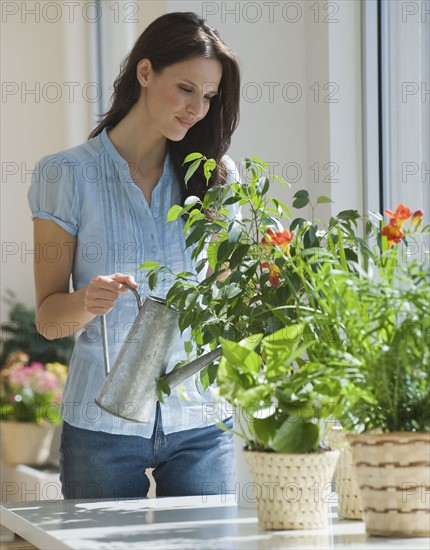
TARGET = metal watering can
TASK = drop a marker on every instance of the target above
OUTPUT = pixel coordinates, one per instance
(130, 388)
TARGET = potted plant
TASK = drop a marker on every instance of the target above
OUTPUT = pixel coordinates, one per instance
(251, 288)
(30, 395)
(378, 315)
(284, 411)
(248, 304)
(34, 418)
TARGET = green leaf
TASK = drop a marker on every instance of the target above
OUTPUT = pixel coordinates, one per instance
(149, 265)
(238, 356)
(263, 185)
(208, 167)
(204, 379)
(195, 235)
(295, 436)
(284, 336)
(212, 370)
(310, 238)
(348, 215)
(153, 280)
(234, 232)
(192, 156)
(174, 213)
(212, 252)
(281, 208)
(239, 253)
(256, 400)
(195, 218)
(252, 341)
(255, 162)
(232, 290)
(297, 222)
(188, 347)
(163, 388)
(264, 429)
(191, 169)
(211, 196)
(247, 162)
(224, 251)
(301, 199)
(322, 199)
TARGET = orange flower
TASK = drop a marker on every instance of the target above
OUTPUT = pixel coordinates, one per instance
(273, 273)
(281, 238)
(393, 232)
(393, 229)
(401, 214)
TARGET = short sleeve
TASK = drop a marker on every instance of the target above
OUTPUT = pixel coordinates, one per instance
(53, 193)
(232, 176)
(231, 170)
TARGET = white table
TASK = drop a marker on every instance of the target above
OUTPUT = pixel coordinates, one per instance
(181, 523)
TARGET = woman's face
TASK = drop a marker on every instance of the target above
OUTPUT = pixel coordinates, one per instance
(179, 96)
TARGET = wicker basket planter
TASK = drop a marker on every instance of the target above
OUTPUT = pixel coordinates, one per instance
(26, 443)
(349, 500)
(292, 490)
(350, 506)
(393, 472)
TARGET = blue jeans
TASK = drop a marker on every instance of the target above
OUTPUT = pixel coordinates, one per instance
(101, 465)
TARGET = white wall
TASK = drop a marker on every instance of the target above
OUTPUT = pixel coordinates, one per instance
(41, 85)
(45, 47)
(292, 54)
(122, 23)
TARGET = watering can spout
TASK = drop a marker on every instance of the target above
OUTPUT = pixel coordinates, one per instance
(130, 387)
(176, 376)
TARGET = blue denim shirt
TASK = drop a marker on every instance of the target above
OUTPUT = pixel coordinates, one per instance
(89, 192)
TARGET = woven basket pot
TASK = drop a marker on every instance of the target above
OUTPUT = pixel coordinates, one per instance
(292, 490)
(349, 501)
(348, 493)
(26, 443)
(393, 472)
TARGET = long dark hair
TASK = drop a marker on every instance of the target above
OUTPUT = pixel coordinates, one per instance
(169, 39)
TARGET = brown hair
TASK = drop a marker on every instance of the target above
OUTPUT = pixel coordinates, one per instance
(169, 39)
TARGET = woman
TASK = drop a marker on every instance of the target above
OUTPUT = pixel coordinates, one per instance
(102, 207)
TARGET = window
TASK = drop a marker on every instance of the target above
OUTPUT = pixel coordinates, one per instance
(396, 75)
(405, 103)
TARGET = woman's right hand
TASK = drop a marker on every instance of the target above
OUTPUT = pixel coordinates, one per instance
(104, 290)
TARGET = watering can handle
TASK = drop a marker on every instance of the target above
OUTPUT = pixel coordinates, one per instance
(136, 295)
(104, 329)
(105, 344)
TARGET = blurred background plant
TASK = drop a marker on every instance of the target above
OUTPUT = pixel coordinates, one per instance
(19, 333)
(31, 391)
(33, 369)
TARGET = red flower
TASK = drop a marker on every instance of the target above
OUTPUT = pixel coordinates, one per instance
(280, 238)
(273, 273)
